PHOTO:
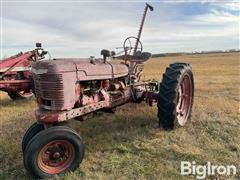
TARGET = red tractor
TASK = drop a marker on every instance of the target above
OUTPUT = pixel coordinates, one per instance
(68, 88)
(16, 75)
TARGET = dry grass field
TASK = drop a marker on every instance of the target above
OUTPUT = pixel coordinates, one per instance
(129, 145)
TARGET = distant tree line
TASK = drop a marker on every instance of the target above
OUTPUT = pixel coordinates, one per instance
(195, 52)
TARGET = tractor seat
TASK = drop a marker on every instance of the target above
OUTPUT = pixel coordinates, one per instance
(141, 56)
(138, 57)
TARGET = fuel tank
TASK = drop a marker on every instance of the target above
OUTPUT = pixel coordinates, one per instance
(84, 68)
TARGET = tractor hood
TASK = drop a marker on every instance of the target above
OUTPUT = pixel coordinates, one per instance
(85, 70)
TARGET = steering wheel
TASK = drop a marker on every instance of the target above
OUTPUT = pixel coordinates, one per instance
(129, 45)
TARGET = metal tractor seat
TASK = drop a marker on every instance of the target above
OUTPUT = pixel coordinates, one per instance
(138, 57)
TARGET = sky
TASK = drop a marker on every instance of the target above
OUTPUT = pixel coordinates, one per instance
(82, 28)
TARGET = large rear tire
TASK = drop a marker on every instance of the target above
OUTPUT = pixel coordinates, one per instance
(175, 98)
(53, 151)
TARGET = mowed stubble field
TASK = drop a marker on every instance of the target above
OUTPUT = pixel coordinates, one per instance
(129, 145)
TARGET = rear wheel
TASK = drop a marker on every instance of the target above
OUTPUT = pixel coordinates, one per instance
(52, 151)
(18, 95)
(175, 97)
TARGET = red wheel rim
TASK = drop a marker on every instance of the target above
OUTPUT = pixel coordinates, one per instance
(25, 93)
(184, 99)
(56, 157)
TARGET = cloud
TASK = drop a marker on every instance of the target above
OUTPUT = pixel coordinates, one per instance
(233, 5)
(216, 17)
(83, 29)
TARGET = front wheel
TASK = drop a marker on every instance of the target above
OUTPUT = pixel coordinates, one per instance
(175, 98)
(30, 133)
(53, 151)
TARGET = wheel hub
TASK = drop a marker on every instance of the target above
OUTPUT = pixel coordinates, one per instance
(56, 156)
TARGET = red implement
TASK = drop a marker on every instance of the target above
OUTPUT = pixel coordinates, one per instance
(15, 73)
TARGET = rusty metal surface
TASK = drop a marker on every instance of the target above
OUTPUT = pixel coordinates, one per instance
(49, 87)
(55, 91)
(54, 66)
(16, 85)
(84, 68)
(45, 116)
(21, 60)
(70, 87)
(16, 68)
(15, 82)
(55, 80)
(101, 70)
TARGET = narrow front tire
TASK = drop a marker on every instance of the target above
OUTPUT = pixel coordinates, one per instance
(53, 151)
(30, 133)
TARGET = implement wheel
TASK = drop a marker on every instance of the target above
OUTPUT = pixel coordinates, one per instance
(18, 95)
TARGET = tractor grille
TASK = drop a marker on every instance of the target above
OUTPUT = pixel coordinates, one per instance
(49, 89)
